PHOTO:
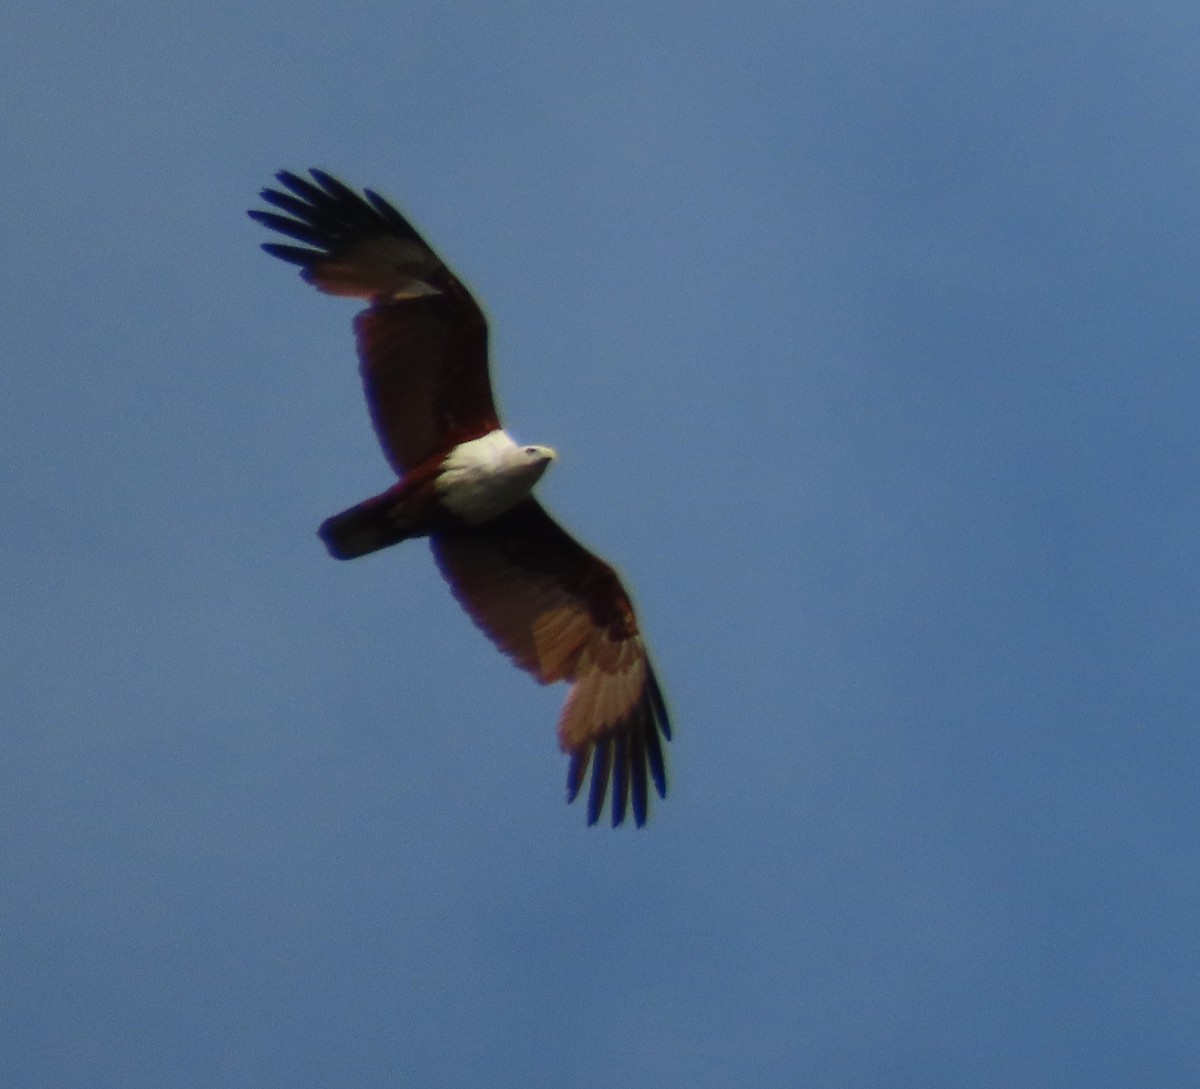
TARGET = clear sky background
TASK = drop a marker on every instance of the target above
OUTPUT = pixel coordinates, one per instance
(868, 336)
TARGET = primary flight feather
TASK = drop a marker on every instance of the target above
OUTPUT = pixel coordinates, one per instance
(553, 607)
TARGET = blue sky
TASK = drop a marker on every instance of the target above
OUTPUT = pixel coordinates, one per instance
(867, 336)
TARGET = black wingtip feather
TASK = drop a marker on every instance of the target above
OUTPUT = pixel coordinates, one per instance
(326, 213)
(292, 228)
(659, 705)
(336, 188)
(654, 757)
(286, 201)
(601, 771)
(637, 769)
(575, 773)
(385, 209)
(292, 254)
(620, 780)
(629, 760)
(302, 187)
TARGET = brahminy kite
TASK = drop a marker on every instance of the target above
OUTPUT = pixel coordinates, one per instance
(553, 607)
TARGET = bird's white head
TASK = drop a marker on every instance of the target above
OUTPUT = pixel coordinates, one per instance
(528, 463)
(540, 455)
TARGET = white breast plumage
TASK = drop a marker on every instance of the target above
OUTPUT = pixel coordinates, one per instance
(484, 477)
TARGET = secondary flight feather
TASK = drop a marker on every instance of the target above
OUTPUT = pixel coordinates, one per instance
(557, 610)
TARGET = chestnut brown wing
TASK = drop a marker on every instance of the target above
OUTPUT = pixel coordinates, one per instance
(422, 342)
(561, 613)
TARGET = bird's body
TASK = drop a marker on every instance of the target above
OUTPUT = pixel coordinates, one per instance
(554, 608)
(471, 484)
(484, 477)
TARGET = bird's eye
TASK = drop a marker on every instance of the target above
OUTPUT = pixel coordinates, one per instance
(531, 449)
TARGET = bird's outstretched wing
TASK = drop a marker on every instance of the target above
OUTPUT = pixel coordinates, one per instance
(422, 342)
(561, 613)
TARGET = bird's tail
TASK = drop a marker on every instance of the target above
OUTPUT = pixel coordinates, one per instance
(364, 528)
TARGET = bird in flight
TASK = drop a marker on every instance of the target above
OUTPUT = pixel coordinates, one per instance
(558, 611)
